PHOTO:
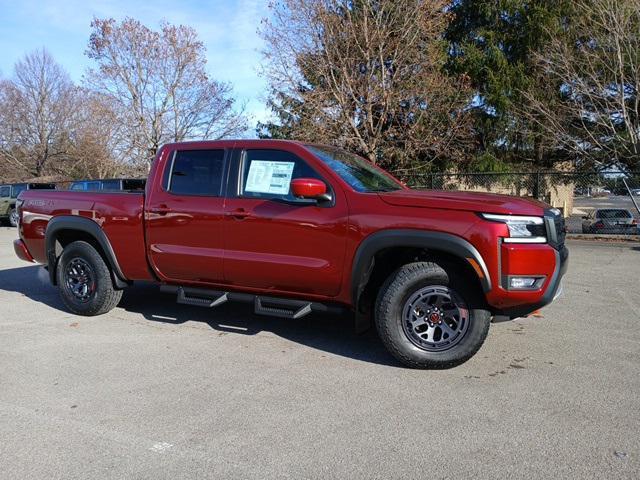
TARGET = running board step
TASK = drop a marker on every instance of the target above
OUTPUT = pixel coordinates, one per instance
(198, 299)
(263, 305)
(281, 307)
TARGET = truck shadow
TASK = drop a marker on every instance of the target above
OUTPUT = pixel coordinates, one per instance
(332, 334)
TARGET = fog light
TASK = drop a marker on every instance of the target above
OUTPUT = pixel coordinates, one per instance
(522, 282)
(525, 283)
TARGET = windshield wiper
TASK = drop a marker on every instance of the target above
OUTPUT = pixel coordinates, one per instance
(382, 190)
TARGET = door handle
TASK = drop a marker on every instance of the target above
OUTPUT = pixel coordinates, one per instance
(239, 214)
(160, 210)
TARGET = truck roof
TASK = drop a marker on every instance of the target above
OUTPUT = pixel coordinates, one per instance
(256, 142)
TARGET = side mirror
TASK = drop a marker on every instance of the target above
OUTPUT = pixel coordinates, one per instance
(310, 188)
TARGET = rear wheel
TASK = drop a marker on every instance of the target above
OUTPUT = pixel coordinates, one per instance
(13, 217)
(426, 317)
(84, 280)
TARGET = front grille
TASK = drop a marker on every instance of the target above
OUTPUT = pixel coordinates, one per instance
(561, 230)
(556, 229)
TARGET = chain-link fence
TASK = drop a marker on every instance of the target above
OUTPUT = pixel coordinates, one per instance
(592, 202)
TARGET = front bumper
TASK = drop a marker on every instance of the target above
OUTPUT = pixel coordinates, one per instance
(22, 252)
(553, 289)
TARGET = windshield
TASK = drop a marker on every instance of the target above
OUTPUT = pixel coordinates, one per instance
(614, 214)
(361, 175)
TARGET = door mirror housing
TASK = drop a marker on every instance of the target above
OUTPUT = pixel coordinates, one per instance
(310, 188)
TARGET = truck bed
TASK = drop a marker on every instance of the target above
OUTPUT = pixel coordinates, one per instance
(120, 215)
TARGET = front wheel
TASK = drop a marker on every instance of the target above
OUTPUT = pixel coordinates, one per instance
(426, 319)
(84, 280)
(13, 217)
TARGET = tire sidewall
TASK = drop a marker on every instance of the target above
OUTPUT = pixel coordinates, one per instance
(102, 279)
(395, 295)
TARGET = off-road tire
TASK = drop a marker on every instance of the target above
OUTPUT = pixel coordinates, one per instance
(390, 303)
(103, 297)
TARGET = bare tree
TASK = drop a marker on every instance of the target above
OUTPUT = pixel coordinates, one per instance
(366, 75)
(38, 108)
(159, 83)
(596, 68)
(100, 148)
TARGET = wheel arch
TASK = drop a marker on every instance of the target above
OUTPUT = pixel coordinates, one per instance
(66, 229)
(452, 246)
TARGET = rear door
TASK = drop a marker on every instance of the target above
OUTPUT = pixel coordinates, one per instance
(275, 242)
(184, 217)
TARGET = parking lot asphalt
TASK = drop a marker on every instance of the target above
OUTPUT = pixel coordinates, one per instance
(156, 390)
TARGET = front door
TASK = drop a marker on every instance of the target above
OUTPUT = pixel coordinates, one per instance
(184, 217)
(275, 242)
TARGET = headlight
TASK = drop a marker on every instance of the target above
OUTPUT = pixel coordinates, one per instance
(521, 229)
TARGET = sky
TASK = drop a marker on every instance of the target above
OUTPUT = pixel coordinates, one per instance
(228, 29)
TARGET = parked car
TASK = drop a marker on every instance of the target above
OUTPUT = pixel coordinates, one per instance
(9, 194)
(116, 184)
(610, 221)
(295, 228)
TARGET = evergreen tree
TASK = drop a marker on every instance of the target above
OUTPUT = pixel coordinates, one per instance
(494, 42)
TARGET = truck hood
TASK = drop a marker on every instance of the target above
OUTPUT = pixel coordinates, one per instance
(468, 201)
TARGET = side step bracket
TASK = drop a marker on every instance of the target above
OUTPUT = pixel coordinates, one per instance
(281, 307)
(186, 297)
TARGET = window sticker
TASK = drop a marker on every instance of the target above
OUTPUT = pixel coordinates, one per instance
(269, 177)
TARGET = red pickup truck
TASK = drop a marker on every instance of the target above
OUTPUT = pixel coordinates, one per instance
(296, 228)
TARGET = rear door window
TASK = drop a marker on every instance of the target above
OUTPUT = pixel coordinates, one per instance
(5, 191)
(197, 172)
(615, 214)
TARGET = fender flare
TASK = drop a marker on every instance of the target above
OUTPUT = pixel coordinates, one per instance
(88, 226)
(459, 247)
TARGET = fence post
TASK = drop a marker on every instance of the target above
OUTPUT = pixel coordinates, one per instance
(536, 186)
